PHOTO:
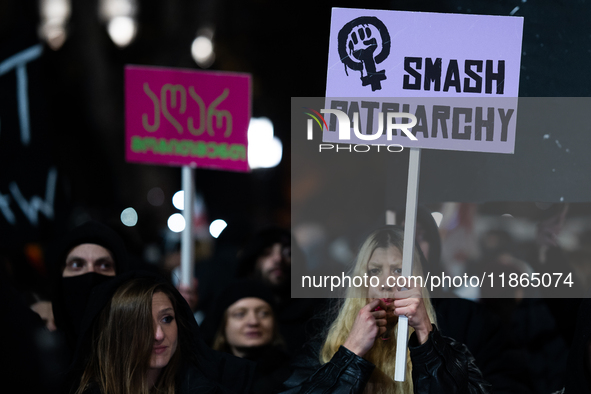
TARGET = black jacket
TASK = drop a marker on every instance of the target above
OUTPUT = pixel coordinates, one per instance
(440, 365)
(503, 363)
(272, 369)
(578, 367)
(203, 370)
(71, 294)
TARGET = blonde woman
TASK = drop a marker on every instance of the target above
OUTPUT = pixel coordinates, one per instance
(357, 355)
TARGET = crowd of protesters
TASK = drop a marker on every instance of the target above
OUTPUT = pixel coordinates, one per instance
(106, 323)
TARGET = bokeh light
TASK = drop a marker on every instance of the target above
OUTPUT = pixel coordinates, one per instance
(156, 196)
(438, 216)
(264, 149)
(216, 227)
(176, 223)
(129, 217)
(202, 51)
(178, 200)
(122, 30)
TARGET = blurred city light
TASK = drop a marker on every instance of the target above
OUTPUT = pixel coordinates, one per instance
(202, 48)
(110, 9)
(216, 227)
(178, 200)
(176, 223)
(54, 18)
(122, 30)
(129, 217)
(264, 149)
(120, 18)
(156, 196)
(202, 51)
(438, 216)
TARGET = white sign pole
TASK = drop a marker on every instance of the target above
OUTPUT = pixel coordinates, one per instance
(187, 235)
(410, 220)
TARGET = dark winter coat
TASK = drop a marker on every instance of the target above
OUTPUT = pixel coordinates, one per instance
(440, 365)
(203, 370)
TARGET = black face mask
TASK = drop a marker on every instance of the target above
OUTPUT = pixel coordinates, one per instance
(76, 292)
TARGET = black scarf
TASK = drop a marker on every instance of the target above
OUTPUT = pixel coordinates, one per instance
(70, 295)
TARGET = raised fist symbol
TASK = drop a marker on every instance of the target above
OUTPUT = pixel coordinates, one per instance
(363, 43)
(362, 46)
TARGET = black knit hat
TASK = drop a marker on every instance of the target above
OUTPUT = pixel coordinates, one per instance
(70, 295)
(234, 291)
(93, 232)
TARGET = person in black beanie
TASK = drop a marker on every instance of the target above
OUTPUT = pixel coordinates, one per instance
(90, 254)
(243, 323)
(268, 257)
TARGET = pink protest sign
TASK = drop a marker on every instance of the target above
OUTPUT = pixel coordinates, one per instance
(457, 74)
(185, 117)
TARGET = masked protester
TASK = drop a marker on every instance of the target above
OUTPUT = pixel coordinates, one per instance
(90, 254)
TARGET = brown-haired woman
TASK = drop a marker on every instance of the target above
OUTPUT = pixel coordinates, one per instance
(140, 337)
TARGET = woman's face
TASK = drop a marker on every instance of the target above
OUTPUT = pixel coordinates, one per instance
(250, 324)
(384, 263)
(165, 331)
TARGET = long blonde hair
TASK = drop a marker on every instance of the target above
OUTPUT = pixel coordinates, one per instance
(122, 342)
(382, 354)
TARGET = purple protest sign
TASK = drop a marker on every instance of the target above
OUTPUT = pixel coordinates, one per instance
(388, 61)
(187, 118)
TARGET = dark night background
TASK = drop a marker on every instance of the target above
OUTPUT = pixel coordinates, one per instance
(77, 108)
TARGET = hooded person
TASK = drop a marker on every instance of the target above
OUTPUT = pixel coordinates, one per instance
(243, 322)
(138, 334)
(268, 257)
(90, 254)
